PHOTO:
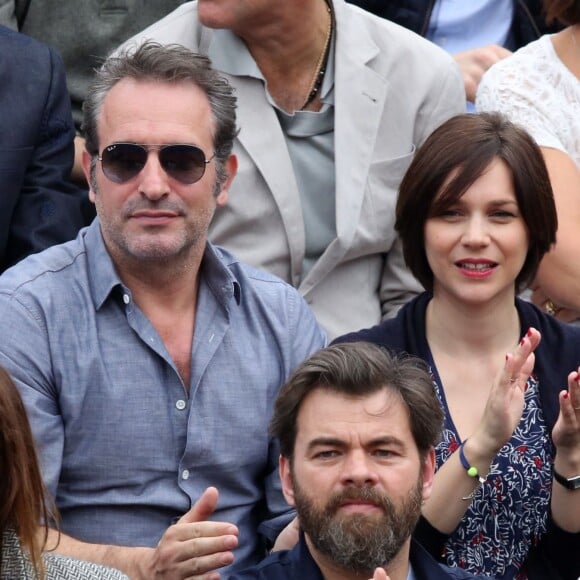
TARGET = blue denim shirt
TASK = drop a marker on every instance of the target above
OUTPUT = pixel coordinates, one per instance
(124, 449)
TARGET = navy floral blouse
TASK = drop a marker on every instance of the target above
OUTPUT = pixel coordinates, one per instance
(509, 512)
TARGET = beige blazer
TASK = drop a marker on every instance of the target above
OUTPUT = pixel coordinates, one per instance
(392, 88)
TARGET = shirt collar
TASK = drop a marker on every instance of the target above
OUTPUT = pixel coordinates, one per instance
(104, 279)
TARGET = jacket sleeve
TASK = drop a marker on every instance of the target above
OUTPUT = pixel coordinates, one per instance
(49, 209)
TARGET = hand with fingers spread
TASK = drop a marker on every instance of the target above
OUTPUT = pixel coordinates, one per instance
(505, 403)
(195, 547)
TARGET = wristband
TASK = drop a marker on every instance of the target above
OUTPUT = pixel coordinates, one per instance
(471, 470)
(571, 483)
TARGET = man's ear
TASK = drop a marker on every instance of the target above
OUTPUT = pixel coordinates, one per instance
(286, 479)
(428, 470)
(231, 168)
(86, 161)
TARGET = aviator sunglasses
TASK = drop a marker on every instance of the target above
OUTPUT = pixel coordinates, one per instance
(123, 161)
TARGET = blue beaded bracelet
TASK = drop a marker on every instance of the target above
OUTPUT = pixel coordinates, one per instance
(472, 471)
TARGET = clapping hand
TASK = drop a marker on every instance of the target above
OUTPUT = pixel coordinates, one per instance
(505, 403)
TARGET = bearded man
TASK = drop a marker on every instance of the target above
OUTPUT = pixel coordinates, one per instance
(357, 428)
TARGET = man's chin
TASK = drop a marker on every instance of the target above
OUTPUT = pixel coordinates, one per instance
(360, 524)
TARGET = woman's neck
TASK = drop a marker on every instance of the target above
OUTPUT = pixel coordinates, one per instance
(457, 327)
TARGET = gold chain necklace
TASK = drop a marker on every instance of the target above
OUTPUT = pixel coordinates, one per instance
(320, 70)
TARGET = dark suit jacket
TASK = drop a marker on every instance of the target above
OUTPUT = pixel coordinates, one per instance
(39, 207)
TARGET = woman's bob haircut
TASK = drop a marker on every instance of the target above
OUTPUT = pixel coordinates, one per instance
(452, 158)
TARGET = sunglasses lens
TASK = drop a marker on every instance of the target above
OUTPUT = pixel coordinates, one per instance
(123, 161)
(186, 163)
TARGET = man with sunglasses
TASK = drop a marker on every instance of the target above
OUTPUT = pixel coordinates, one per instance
(148, 358)
(333, 102)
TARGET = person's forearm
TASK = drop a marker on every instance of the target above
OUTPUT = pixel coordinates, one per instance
(559, 271)
(135, 562)
(453, 487)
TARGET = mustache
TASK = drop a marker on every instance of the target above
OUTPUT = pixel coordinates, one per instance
(365, 494)
(135, 206)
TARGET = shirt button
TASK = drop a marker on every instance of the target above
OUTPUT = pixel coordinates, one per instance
(181, 404)
(126, 298)
(185, 474)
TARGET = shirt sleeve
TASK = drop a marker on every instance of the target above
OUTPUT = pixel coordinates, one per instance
(25, 354)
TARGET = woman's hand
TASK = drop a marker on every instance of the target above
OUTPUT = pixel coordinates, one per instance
(566, 432)
(505, 403)
(566, 436)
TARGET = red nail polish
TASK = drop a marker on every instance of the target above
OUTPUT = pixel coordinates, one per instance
(529, 333)
(565, 395)
(507, 357)
(522, 341)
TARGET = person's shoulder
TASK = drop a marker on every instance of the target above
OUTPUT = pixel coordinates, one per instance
(23, 47)
(61, 567)
(265, 296)
(391, 332)
(251, 277)
(41, 272)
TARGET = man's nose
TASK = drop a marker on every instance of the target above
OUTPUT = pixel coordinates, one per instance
(153, 180)
(359, 469)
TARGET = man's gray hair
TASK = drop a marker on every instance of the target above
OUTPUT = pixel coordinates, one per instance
(172, 63)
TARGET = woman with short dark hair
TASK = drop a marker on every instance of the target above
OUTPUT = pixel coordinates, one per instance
(476, 215)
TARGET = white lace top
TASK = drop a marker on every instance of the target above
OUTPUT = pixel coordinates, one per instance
(535, 89)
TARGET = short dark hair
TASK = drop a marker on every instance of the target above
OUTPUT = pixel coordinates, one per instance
(359, 369)
(468, 144)
(565, 11)
(171, 63)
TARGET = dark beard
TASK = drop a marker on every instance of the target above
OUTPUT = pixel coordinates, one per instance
(359, 543)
